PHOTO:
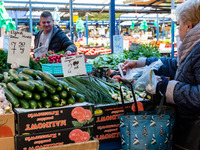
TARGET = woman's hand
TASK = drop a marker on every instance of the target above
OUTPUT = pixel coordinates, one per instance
(129, 64)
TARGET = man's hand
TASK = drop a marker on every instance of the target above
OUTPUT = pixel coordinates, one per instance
(68, 52)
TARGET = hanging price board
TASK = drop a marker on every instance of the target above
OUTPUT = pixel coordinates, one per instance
(73, 65)
(118, 44)
(19, 47)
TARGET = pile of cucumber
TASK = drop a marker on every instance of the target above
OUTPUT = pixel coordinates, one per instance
(35, 89)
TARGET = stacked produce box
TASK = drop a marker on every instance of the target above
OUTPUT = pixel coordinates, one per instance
(48, 111)
(7, 124)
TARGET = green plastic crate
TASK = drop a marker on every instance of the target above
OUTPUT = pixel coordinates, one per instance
(56, 69)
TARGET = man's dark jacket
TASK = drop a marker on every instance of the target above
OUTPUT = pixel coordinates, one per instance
(58, 41)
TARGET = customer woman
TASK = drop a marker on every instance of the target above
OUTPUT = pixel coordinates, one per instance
(184, 88)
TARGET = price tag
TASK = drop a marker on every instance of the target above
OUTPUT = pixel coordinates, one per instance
(118, 44)
(73, 65)
(126, 44)
(19, 47)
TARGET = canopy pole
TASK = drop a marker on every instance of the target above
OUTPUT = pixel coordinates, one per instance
(172, 27)
(16, 20)
(86, 28)
(71, 20)
(163, 36)
(119, 26)
(30, 19)
(157, 27)
(112, 23)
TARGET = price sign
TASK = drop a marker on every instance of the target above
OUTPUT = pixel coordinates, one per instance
(118, 44)
(73, 65)
(19, 47)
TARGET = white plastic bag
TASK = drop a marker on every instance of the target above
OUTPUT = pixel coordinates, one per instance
(148, 81)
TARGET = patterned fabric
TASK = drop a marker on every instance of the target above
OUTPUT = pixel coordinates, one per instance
(146, 131)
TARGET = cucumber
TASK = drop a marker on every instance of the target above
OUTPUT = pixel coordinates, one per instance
(72, 91)
(1, 77)
(79, 98)
(47, 103)
(39, 104)
(71, 100)
(44, 94)
(55, 98)
(24, 104)
(49, 78)
(64, 84)
(3, 84)
(63, 94)
(11, 98)
(7, 78)
(26, 76)
(26, 85)
(15, 90)
(30, 72)
(38, 78)
(36, 96)
(63, 102)
(40, 75)
(33, 104)
(56, 104)
(59, 87)
(49, 88)
(38, 85)
(27, 94)
(14, 74)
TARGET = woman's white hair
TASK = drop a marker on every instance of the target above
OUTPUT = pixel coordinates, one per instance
(189, 11)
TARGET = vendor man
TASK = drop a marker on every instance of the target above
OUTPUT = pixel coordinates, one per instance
(51, 37)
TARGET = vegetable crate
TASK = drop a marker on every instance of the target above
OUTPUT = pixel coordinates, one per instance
(106, 126)
(7, 125)
(7, 143)
(90, 145)
(56, 68)
(54, 138)
(29, 121)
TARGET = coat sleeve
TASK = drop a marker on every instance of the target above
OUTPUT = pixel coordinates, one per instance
(186, 96)
(167, 69)
(66, 43)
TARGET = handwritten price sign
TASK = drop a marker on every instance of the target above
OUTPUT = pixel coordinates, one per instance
(19, 47)
(73, 65)
(118, 44)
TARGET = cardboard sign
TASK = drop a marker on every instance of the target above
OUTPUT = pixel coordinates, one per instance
(118, 44)
(126, 44)
(19, 47)
(38, 52)
(5, 42)
(73, 65)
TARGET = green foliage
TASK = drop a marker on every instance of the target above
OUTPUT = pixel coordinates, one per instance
(3, 61)
(112, 60)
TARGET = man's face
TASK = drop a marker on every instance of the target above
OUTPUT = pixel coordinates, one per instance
(46, 24)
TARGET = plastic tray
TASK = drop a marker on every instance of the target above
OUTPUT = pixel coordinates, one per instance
(56, 69)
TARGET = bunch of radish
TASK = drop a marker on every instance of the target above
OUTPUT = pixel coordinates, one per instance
(53, 57)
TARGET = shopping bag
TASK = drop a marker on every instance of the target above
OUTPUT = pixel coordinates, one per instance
(146, 130)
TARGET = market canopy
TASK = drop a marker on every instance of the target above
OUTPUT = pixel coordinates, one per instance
(80, 6)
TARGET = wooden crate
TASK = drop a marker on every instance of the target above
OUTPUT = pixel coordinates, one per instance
(90, 145)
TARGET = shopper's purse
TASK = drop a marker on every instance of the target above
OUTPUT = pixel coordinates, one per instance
(146, 130)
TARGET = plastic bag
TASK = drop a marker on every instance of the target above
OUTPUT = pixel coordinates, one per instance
(148, 81)
(136, 73)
